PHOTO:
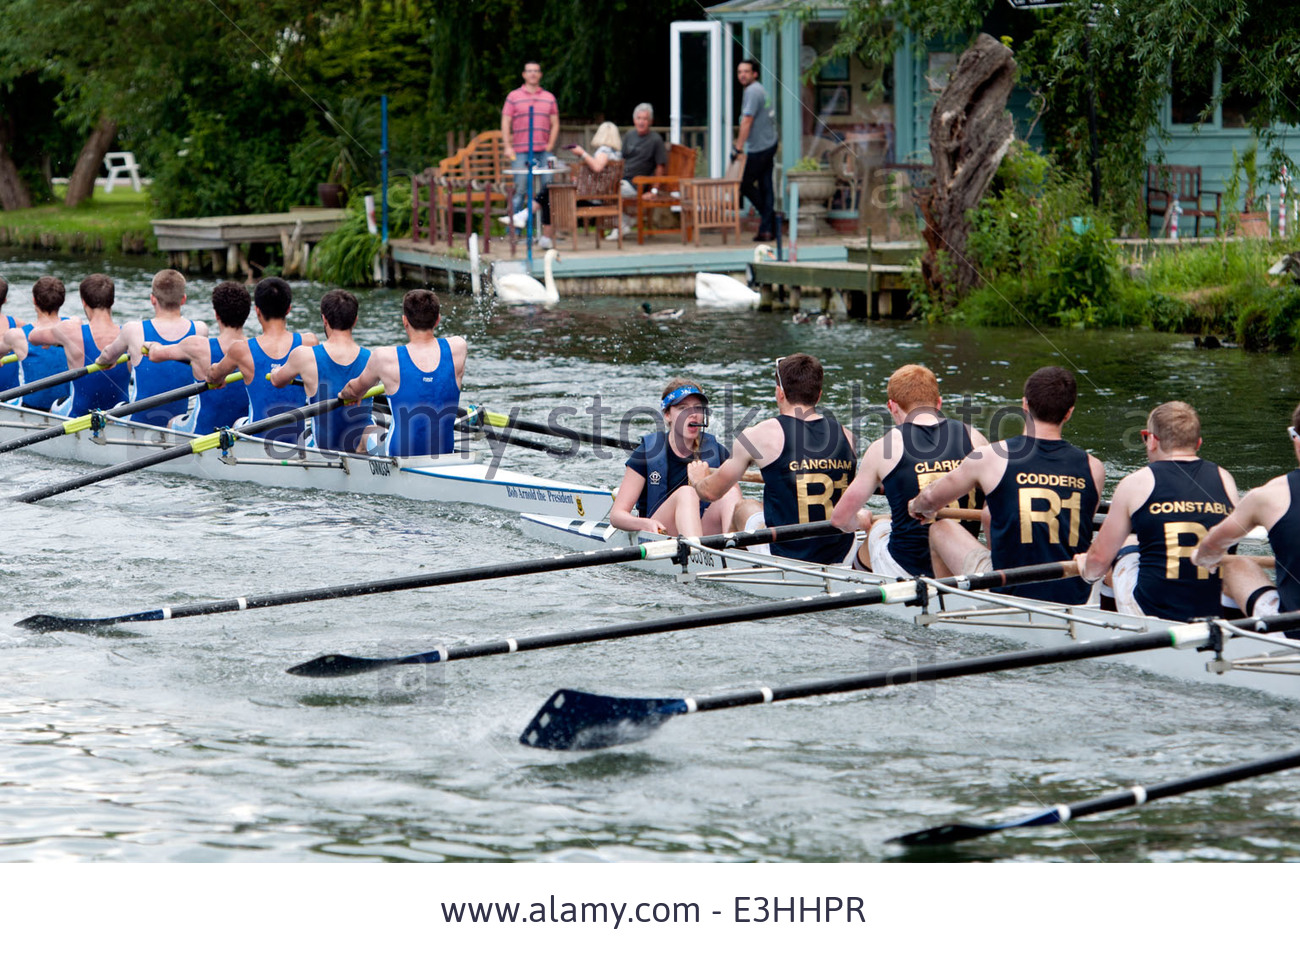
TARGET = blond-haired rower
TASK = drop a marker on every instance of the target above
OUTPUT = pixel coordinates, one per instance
(1157, 517)
(921, 448)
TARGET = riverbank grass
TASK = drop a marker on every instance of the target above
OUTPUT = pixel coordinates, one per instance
(106, 222)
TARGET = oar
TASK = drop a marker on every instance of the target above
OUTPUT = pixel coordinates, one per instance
(86, 421)
(197, 445)
(329, 666)
(660, 549)
(54, 380)
(1133, 797)
(554, 430)
(498, 437)
(575, 720)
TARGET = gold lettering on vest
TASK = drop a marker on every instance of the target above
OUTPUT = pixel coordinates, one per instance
(1175, 533)
(1049, 517)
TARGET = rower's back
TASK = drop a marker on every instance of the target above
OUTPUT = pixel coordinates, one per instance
(167, 326)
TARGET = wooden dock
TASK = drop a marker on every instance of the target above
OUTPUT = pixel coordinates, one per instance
(223, 237)
(871, 282)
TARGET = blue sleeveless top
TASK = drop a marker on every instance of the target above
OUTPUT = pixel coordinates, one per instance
(1187, 499)
(9, 372)
(1042, 512)
(340, 429)
(98, 390)
(802, 485)
(42, 361)
(152, 379)
(266, 400)
(424, 407)
(222, 406)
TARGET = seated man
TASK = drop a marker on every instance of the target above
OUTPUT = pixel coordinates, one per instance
(1040, 493)
(1170, 504)
(644, 152)
(422, 379)
(923, 447)
(325, 369)
(257, 358)
(216, 407)
(41, 360)
(1276, 507)
(807, 460)
(81, 342)
(167, 326)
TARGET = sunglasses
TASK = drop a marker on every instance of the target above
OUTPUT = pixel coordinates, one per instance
(1148, 433)
(1292, 434)
(778, 373)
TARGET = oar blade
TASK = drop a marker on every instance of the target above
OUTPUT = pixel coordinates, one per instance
(339, 666)
(56, 623)
(955, 833)
(580, 721)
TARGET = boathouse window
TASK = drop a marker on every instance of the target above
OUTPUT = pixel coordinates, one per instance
(1197, 97)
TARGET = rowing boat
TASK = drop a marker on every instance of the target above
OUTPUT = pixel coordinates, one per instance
(461, 477)
(1249, 660)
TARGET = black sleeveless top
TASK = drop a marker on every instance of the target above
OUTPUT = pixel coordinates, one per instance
(1042, 512)
(1187, 499)
(1284, 537)
(805, 482)
(929, 451)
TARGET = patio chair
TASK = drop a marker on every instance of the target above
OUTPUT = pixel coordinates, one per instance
(662, 191)
(592, 197)
(1182, 182)
(710, 205)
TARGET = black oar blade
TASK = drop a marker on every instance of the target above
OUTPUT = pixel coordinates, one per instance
(55, 623)
(955, 833)
(580, 721)
(338, 666)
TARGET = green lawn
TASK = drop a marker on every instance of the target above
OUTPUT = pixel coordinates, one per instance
(105, 222)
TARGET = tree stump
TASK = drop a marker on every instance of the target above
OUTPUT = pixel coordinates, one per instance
(970, 132)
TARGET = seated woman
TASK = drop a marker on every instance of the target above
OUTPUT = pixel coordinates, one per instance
(607, 143)
(655, 479)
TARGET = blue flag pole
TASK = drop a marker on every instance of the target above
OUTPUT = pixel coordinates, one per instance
(528, 234)
(383, 166)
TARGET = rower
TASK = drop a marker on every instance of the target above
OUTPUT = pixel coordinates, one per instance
(919, 450)
(41, 360)
(1169, 506)
(214, 408)
(655, 479)
(8, 372)
(324, 369)
(1276, 507)
(807, 461)
(105, 388)
(1041, 494)
(260, 357)
(422, 379)
(167, 326)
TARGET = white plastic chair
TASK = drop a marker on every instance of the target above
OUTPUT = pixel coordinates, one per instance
(121, 165)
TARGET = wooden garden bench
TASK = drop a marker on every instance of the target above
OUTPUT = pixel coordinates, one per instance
(1182, 182)
(477, 175)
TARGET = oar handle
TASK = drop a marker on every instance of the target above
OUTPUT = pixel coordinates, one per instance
(960, 513)
(508, 422)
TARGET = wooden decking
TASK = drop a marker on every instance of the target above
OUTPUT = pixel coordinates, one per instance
(295, 230)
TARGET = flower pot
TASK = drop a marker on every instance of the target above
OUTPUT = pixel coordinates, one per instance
(332, 195)
(815, 190)
(1253, 225)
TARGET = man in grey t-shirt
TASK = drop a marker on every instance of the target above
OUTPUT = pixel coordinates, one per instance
(758, 140)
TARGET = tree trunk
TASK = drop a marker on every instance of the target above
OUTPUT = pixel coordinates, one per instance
(970, 132)
(82, 182)
(13, 190)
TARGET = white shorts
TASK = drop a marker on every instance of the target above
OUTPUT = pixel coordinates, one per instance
(1124, 579)
(753, 525)
(882, 563)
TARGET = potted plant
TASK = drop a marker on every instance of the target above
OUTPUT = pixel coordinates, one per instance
(1243, 182)
(349, 150)
(816, 186)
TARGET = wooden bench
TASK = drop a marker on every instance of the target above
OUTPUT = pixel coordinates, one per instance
(710, 204)
(1165, 183)
(475, 176)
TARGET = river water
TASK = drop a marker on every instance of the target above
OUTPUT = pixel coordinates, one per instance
(186, 740)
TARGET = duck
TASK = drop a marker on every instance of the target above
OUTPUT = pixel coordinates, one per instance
(665, 313)
(517, 288)
(723, 291)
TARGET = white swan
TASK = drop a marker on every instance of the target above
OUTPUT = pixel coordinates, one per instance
(517, 288)
(723, 291)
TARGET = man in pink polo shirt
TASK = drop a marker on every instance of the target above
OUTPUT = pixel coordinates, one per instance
(514, 131)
